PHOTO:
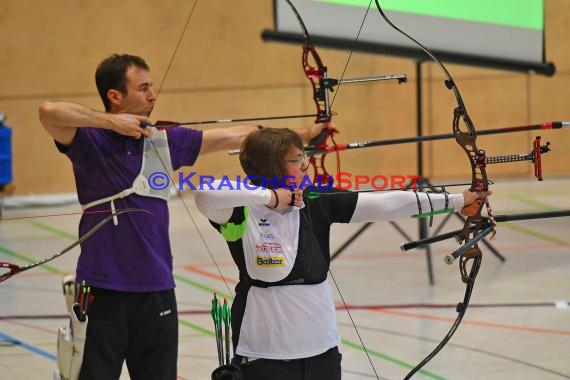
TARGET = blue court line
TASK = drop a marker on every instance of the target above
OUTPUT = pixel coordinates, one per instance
(27, 346)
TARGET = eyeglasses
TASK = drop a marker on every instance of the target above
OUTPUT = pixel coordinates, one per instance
(300, 160)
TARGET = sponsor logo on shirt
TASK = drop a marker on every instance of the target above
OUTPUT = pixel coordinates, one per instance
(263, 223)
(269, 247)
(268, 261)
(266, 234)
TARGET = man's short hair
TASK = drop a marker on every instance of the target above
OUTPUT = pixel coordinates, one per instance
(111, 74)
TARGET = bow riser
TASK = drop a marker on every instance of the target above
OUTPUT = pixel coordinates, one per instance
(317, 75)
(476, 156)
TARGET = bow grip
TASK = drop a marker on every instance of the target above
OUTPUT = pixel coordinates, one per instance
(9, 266)
(320, 139)
(473, 208)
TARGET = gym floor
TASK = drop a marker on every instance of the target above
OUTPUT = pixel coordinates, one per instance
(517, 326)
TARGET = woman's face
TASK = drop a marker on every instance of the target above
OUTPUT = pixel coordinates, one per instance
(297, 164)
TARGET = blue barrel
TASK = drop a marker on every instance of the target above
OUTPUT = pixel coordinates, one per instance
(5, 154)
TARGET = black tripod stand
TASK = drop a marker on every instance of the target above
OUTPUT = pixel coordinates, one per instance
(423, 184)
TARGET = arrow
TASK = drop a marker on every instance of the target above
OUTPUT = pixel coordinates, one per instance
(547, 125)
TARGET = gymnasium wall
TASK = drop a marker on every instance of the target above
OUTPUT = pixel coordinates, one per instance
(222, 69)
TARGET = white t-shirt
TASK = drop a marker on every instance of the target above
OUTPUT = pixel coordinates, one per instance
(294, 321)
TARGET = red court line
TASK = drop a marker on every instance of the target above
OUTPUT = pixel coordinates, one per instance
(31, 273)
(437, 251)
(32, 327)
(192, 268)
(414, 315)
(209, 263)
(55, 332)
(471, 322)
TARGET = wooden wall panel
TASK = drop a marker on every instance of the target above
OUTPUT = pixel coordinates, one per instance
(223, 69)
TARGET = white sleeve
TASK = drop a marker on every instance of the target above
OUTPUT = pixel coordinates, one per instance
(372, 207)
(217, 203)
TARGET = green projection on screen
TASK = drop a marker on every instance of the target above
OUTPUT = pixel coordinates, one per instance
(518, 13)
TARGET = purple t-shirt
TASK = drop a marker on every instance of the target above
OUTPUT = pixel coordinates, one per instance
(135, 255)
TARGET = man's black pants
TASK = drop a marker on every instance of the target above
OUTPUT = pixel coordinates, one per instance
(141, 328)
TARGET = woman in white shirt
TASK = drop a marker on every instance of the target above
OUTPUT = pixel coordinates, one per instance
(283, 315)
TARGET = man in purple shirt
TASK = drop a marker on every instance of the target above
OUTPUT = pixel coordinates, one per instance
(129, 263)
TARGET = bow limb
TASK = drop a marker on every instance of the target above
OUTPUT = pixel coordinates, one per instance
(316, 72)
(317, 75)
(15, 269)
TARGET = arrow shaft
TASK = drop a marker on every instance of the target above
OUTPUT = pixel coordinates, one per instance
(223, 121)
(398, 77)
(444, 136)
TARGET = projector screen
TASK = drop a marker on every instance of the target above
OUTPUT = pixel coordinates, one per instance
(505, 34)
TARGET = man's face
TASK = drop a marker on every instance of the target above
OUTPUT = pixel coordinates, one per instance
(140, 96)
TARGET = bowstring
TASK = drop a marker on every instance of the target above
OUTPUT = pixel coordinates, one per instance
(178, 43)
(167, 171)
(345, 69)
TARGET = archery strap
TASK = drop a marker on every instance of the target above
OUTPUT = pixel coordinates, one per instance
(155, 159)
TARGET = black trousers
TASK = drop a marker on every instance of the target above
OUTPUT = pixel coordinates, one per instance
(141, 328)
(325, 366)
